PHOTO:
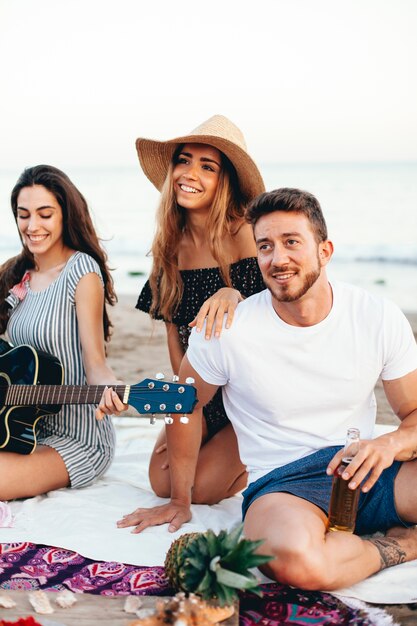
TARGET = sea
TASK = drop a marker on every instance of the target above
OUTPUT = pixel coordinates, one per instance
(370, 209)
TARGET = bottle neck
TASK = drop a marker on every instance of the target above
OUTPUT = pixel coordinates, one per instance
(352, 444)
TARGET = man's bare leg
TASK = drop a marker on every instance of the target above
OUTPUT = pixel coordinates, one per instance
(309, 558)
(399, 542)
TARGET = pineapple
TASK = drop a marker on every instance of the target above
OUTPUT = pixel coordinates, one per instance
(214, 566)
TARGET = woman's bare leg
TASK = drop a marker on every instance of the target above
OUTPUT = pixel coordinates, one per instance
(24, 476)
(220, 473)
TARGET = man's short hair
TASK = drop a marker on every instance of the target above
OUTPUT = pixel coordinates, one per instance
(287, 199)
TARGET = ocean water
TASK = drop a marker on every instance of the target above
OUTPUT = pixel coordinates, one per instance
(370, 209)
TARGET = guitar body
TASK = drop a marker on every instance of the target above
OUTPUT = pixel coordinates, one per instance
(25, 366)
(31, 388)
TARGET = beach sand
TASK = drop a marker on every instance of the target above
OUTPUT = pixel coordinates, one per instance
(138, 350)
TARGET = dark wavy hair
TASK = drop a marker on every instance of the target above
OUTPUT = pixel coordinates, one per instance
(78, 234)
(288, 199)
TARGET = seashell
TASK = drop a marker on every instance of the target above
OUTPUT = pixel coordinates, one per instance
(6, 602)
(132, 604)
(184, 611)
(145, 613)
(6, 516)
(40, 602)
(65, 599)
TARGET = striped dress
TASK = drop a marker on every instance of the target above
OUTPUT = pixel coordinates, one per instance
(47, 320)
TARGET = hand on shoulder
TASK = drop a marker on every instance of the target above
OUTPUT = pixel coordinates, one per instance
(223, 302)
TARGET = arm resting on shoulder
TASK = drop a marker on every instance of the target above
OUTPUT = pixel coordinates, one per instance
(223, 302)
(226, 299)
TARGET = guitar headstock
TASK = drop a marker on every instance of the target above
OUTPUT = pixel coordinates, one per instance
(153, 396)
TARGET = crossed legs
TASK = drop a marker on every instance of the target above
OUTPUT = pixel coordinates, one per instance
(308, 557)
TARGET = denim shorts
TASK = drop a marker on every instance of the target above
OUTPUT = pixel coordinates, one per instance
(306, 478)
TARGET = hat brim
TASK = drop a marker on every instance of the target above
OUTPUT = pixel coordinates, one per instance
(155, 157)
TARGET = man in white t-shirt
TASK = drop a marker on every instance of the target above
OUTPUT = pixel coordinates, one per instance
(298, 368)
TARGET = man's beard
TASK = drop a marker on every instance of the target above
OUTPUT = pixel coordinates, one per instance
(283, 294)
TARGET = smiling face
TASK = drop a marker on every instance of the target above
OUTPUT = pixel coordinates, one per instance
(289, 256)
(39, 220)
(196, 175)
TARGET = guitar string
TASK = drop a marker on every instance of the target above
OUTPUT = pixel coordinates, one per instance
(38, 394)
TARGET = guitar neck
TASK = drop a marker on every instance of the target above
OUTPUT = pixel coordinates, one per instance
(32, 395)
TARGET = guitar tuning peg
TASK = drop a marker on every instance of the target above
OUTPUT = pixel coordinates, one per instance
(168, 419)
(184, 419)
(159, 376)
(152, 420)
(190, 380)
(175, 378)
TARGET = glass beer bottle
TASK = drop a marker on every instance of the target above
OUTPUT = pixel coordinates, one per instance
(344, 501)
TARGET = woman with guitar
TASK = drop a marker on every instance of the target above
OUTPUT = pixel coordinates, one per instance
(52, 298)
(204, 263)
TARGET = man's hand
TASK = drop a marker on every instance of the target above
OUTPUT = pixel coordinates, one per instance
(174, 513)
(225, 300)
(373, 457)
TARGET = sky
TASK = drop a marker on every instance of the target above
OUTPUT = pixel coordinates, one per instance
(305, 80)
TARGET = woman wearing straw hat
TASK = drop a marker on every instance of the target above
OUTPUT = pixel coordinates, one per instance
(203, 248)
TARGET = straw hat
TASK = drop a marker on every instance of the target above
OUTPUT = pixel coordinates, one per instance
(219, 132)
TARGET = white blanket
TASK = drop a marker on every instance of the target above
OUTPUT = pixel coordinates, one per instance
(84, 520)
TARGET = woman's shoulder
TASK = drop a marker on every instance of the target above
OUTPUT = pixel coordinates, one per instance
(246, 276)
(79, 265)
(83, 262)
(243, 242)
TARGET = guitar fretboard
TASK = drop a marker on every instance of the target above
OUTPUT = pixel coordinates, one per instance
(32, 395)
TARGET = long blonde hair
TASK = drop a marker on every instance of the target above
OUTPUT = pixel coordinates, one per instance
(225, 218)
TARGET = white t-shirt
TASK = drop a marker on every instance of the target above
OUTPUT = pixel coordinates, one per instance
(291, 390)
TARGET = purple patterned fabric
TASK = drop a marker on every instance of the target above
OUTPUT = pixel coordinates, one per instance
(27, 566)
(281, 604)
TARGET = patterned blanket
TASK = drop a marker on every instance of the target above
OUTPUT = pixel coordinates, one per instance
(27, 567)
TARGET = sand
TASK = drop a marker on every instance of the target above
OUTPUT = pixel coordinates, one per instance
(138, 350)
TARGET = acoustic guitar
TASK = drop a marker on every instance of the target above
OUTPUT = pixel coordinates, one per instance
(31, 388)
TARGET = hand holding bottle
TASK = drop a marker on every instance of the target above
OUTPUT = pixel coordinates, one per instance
(344, 500)
(373, 456)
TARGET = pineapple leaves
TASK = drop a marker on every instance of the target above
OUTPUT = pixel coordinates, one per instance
(214, 565)
(205, 585)
(242, 557)
(237, 581)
